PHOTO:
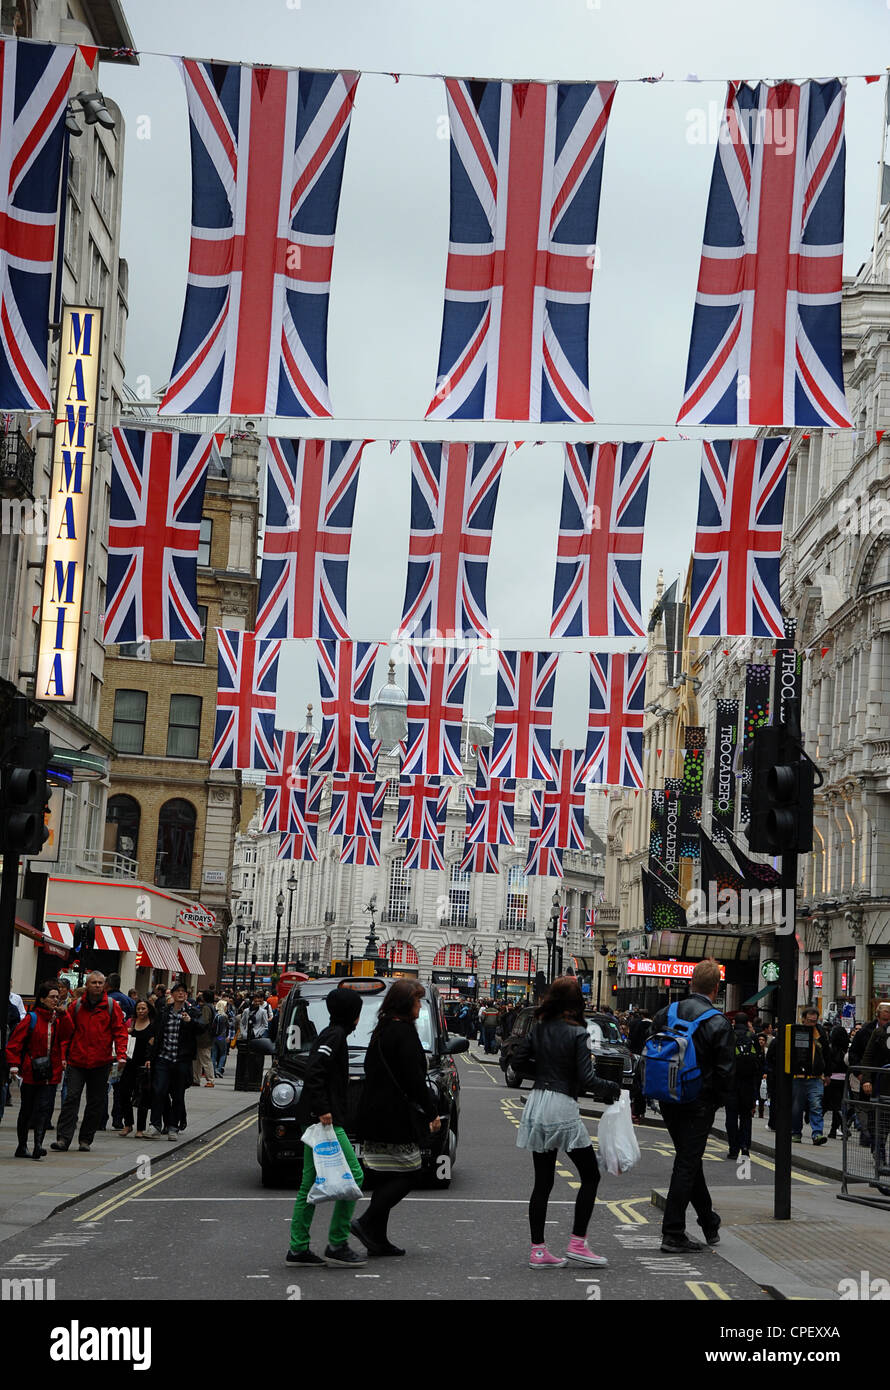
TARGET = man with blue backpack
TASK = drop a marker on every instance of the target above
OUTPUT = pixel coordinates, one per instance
(688, 1066)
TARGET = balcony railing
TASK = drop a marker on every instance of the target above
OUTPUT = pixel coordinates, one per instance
(16, 465)
(399, 914)
(509, 924)
(607, 913)
(99, 863)
(458, 923)
(330, 918)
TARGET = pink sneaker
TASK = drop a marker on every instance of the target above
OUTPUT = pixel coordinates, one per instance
(541, 1258)
(580, 1251)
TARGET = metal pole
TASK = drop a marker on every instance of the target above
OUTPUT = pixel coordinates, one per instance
(599, 981)
(290, 915)
(787, 956)
(279, 909)
(884, 111)
(8, 890)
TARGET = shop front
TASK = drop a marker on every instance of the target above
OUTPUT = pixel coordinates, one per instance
(664, 973)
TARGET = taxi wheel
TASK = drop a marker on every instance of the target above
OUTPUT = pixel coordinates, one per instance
(449, 1151)
(511, 1079)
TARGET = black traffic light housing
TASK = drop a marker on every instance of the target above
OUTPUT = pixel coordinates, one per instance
(781, 792)
(24, 793)
(84, 936)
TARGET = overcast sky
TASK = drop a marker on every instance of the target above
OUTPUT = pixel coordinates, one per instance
(391, 244)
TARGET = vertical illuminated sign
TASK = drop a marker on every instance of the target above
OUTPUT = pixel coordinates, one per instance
(74, 442)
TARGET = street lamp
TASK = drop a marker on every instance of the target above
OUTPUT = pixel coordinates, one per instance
(347, 947)
(292, 886)
(279, 913)
(604, 951)
(474, 965)
(551, 953)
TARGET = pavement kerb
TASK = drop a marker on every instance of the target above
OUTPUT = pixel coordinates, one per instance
(30, 1211)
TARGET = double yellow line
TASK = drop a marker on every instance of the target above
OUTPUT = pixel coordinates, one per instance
(140, 1187)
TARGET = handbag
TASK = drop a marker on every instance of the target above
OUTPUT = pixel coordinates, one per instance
(42, 1067)
(419, 1122)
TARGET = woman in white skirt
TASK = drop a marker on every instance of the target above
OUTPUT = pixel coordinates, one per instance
(555, 1052)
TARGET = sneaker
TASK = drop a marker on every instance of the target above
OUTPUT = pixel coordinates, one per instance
(172, 1135)
(581, 1252)
(306, 1258)
(60, 1147)
(337, 1256)
(83, 1148)
(541, 1258)
(672, 1246)
(819, 1139)
(155, 1131)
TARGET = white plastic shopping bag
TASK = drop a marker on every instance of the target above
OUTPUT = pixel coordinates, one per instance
(618, 1147)
(333, 1177)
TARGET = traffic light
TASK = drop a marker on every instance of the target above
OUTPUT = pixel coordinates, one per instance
(84, 937)
(781, 793)
(24, 793)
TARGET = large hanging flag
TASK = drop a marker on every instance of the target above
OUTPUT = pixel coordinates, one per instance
(589, 923)
(543, 862)
(756, 875)
(562, 815)
(563, 921)
(723, 788)
(657, 827)
(480, 859)
(672, 786)
(357, 815)
(304, 793)
(311, 486)
(716, 870)
(766, 335)
(738, 541)
(788, 677)
(35, 79)
(454, 492)
(436, 687)
(268, 146)
(597, 588)
(524, 714)
(288, 791)
(345, 673)
(526, 168)
(423, 808)
(661, 910)
(490, 806)
(615, 719)
(756, 714)
(691, 802)
(247, 678)
(154, 526)
(361, 848)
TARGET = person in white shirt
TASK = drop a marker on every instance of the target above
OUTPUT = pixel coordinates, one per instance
(255, 1019)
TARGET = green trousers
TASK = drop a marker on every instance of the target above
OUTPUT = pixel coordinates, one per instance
(304, 1210)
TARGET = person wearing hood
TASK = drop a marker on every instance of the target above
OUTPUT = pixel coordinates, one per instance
(324, 1101)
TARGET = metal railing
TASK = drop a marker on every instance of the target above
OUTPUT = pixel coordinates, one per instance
(458, 923)
(399, 914)
(865, 1156)
(16, 465)
(506, 924)
(99, 863)
(329, 918)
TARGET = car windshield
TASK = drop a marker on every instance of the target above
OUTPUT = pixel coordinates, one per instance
(600, 1031)
(310, 1017)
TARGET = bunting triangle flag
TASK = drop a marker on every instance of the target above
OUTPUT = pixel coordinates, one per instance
(755, 875)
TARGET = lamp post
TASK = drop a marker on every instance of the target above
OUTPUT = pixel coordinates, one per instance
(474, 965)
(252, 939)
(292, 886)
(279, 913)
(604, 951)
(551, 945)
(347, 947)
(239, 933)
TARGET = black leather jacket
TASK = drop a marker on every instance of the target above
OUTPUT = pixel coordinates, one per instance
(714, 1048)
(557, 1054)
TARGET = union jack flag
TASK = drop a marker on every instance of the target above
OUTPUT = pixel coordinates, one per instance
(311, 485)
(563, 921)
(292, 797)
(562, 813)
(526, 168)
(480, 859)
(454, 491)
(34, 80)
(615, 720)
(766, 334)
(305, 801)
(490, 804)
(542, 862)
(423, 806)
(425, 854)
(436, 686)
(268, 147)
(738, 543)
(524, 714)
(345, 673)
(157, 496)
(604, 494)
(363, 848)
(589, 922)
(352, 797)
(247, 677)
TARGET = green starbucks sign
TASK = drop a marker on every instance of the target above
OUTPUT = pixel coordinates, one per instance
(770, 971)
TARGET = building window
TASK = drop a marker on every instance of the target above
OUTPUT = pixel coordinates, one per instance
(128, 729)
(103, 183)
(193, 651)
(122, 816)
(399, 891)
(458, 896)
(176, 842)
(72, 234)
(204, 541)
(517, 896)
(184, 726)
(97, 289)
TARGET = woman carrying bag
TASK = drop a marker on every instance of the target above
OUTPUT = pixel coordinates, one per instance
(135, 1079)
(555, 1051)
(398, 1109)
(36, 1051)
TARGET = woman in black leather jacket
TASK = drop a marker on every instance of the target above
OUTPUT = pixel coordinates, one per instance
(556, 1054)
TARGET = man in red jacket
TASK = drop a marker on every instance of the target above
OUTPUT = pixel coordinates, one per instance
(98, 1036)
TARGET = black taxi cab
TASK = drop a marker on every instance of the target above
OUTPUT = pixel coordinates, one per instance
(302, 1017)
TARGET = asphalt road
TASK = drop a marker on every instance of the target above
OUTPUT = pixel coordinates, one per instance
(203, 1210)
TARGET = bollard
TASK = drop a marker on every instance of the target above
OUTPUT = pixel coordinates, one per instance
(248, 1067)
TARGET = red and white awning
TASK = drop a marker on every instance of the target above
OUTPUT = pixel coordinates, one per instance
(148, 946)
(112, 938)
(189, 960)
(166, 945)
(62, 932)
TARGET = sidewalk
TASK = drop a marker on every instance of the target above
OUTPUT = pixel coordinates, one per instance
(30, 1192)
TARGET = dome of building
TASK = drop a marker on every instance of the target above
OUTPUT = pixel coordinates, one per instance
(388, 720)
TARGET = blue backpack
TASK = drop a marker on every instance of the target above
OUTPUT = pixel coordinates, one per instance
(669, 1069)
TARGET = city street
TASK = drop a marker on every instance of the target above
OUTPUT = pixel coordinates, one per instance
(469, 1243)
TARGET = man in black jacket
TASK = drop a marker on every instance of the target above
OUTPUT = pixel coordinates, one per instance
(689, 1125)
(324, 1101)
